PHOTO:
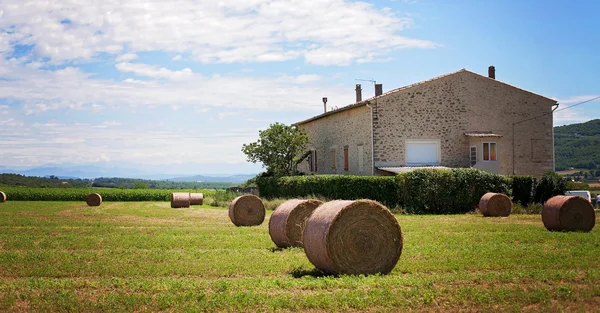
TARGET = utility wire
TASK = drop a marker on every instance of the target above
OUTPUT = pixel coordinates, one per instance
(555, 110)
(586, 101)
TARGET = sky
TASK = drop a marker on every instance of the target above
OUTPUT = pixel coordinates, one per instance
(177, 87)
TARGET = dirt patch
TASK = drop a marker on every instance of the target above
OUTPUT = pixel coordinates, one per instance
(20, 306)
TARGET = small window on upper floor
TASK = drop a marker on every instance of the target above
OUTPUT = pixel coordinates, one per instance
(490, 151)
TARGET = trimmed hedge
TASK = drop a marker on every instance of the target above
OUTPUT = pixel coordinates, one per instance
(347, 187)
(80, 194)
(447, 191)
(420, 191)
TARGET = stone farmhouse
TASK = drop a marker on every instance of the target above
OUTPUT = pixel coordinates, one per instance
(461, 119)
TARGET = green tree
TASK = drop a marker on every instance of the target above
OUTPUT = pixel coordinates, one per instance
(139, 185)
(550, 185)
(280, 148)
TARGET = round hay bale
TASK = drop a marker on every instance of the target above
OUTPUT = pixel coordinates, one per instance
(287, 222)
(247, 210)
(94, 199)
(495, 204)
(180, 200)
(353, 237)
(196, 198)
(2, 196)
(568, 213)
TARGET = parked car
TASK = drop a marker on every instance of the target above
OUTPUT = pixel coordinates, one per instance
(581, 193)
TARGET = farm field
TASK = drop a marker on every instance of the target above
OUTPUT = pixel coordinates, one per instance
(147, 257)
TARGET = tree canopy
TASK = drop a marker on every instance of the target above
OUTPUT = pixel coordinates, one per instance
(280, 148)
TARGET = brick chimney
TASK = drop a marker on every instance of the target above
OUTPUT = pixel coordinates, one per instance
(358, 93)
(492, 72)
(378, 90)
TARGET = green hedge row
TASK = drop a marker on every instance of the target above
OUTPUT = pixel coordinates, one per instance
(380, 188)
(435, 191)
(80, 194)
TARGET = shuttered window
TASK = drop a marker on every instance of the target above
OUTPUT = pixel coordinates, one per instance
(345, 158)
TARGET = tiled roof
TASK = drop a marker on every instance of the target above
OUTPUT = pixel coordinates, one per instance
(362, 103)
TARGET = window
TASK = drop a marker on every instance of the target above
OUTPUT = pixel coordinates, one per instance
(473, 155)
(489, 151)
(345, 158)
(333, 158)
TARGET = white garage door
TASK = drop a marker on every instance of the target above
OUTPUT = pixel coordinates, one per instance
(422, 152)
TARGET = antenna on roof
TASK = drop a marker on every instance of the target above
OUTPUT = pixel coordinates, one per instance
(367, 80)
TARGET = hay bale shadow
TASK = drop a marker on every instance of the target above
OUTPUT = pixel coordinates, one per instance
(315, 272)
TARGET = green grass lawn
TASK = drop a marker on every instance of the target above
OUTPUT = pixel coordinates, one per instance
(147, 257)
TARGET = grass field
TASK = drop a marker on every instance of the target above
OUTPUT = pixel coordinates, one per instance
(147, 257)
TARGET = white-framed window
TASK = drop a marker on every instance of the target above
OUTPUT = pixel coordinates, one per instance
(473, 155)
(490, 151)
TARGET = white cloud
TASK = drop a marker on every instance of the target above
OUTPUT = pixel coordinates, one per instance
(575, 100)
(177, 57)
(126, 57)
(322, 32)
(80, 143)
(576, 109)
(154, 71)
(42, 90)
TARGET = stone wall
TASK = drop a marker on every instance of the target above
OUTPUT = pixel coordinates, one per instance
(448, 107)
(331, 133)
(441, 109)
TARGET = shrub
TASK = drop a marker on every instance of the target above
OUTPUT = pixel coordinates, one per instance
(220, 198)
(551, 184)
(447, 191)
(572, 185)
(523, 189)
(420, 191)
(347, 187)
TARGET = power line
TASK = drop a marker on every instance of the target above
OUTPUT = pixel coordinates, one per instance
(532, 118)
(555, 110)
(586, 101)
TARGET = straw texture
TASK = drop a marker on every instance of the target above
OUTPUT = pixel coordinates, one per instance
(196, 198)
(94, 199)
(353, 237)
(2, 196)
(495, 204)
(180, 200)
(247, 210)
(287, 222)
(568, 213)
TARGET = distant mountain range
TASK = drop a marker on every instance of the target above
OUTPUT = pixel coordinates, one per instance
(577, 145)
(91, 172)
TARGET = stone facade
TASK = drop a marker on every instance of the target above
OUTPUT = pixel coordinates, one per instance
(441, 110)
(347, 127)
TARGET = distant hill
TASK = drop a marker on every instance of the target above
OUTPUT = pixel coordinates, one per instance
(223, 179)
(577, 145)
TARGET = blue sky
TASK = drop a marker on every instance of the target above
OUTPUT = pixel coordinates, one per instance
(178, 88)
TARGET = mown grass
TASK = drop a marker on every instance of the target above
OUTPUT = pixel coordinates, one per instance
(147, 257)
